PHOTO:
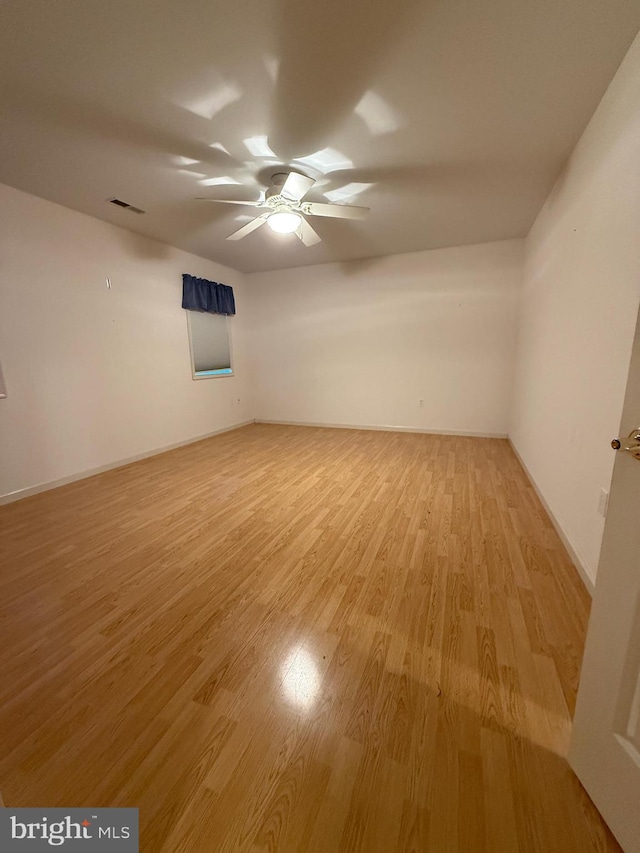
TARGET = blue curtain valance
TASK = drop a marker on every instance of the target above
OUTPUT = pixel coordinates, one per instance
(198, 294)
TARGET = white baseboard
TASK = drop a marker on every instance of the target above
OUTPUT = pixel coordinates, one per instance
(19, 494)
(387, 428)
(576, 559)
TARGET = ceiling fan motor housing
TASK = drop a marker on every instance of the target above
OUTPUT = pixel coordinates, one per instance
(272, 195)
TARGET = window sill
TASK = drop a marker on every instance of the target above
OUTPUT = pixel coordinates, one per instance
(213, 374)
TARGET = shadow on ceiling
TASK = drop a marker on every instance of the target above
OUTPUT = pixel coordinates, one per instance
(329, 55)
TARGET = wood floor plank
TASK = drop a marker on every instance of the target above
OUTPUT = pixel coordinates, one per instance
(298, 639)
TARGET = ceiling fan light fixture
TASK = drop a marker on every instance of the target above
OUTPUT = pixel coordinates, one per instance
(284, 222)
(286, 211)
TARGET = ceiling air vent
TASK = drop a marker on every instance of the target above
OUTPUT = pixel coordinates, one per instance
(126, 205)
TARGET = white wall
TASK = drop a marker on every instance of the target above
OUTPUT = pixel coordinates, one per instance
(95, 376)
(579, 307)
(361, 343)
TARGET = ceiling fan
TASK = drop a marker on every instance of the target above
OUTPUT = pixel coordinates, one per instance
(285, 210)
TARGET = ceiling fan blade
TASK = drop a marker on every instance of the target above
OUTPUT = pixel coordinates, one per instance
(307, 234)
(296, 186)
(339, 211)
(229, 201)
(248, 228)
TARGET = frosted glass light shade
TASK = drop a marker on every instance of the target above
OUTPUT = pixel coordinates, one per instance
(284, 223)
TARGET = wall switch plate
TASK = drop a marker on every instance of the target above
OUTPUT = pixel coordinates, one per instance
(603, 503)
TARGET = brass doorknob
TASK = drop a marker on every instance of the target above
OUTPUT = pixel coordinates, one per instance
(630, 444)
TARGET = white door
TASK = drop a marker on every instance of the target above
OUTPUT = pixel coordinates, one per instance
(605, 745)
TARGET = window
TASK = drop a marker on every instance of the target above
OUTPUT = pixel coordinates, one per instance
(210, 344)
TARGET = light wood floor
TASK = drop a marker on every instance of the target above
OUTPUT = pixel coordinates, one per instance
(296, 639)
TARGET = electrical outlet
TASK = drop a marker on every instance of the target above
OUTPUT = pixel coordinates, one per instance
(603, 503)
(420, 404)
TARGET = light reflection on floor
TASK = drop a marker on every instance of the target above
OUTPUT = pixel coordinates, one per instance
(300, 679)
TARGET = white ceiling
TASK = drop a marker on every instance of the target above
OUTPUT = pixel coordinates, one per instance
(451, 117)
